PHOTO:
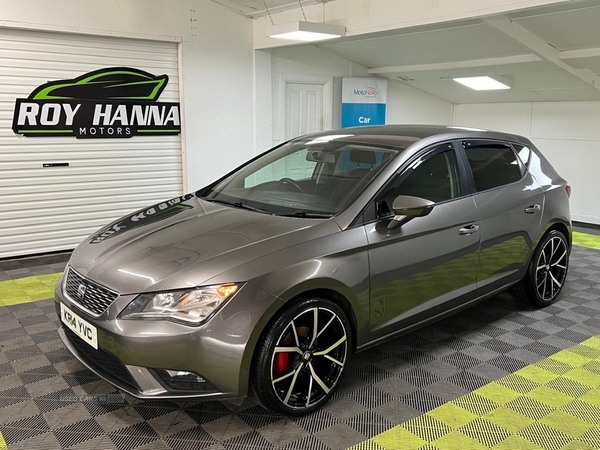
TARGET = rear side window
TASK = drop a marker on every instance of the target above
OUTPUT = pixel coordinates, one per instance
(492, 164)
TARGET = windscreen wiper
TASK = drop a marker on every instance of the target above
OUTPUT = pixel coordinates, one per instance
(235, 204)
(307, 214)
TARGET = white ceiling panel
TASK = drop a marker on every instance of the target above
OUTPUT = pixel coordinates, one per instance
(586, 63)
(506, 70)
(520, 83)
(566, 30)
(257, 8)
(584, 94)
(446, 45)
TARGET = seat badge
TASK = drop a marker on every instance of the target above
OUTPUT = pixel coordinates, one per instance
(81, 291)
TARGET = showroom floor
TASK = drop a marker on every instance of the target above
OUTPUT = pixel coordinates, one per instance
(500, 375)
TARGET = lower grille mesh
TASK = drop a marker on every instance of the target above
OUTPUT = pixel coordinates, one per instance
(101, 360)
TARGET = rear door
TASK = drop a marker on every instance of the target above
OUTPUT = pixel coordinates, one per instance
(510, 205)
(427, 265)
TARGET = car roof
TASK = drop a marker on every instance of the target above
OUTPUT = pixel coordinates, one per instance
(418, 132)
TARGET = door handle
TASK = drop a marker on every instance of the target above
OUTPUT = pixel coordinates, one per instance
(469, 229)
(533, 209)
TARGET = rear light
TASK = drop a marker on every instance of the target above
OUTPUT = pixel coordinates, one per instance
(568, 189)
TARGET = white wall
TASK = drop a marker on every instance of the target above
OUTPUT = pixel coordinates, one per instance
(309, 60)
(404, 105)
(568, 133)
(217, 65)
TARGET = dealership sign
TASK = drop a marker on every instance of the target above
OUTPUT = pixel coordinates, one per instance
(116, 102)
(363, 101)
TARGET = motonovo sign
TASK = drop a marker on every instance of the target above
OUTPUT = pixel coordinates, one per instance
(116, 102)
(363, 101)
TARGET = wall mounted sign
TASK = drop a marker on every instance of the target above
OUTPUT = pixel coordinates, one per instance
(116, 102)
(363, 101)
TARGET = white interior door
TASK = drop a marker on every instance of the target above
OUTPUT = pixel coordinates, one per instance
(304, 109)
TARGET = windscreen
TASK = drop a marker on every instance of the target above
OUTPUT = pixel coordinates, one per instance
(307, 177)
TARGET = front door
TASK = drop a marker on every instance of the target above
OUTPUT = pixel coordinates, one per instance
(429, 264)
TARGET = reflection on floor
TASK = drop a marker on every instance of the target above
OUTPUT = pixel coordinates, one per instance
(500, 375)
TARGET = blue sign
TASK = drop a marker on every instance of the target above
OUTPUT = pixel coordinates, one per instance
(363, 101)
(359, 114)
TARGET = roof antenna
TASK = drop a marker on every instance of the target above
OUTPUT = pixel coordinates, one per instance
(267, 8)
(300, 1)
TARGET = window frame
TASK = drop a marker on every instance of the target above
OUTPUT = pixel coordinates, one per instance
(518, 152)
(460, 146)
(370, 212)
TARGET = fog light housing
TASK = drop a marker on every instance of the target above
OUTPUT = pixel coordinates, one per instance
(179, 380)
(185, 376)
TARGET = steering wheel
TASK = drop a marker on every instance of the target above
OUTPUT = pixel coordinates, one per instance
(287, 181)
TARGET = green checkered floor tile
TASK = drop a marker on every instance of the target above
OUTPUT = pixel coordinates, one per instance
(27, 290)
(552, 404)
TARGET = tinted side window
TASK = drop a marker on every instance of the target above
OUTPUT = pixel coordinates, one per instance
(435, 178)
(492, 165)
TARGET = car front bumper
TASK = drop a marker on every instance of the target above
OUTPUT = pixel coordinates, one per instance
(130, 351)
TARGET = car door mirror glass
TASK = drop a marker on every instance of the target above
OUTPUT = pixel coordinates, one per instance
(407, 207)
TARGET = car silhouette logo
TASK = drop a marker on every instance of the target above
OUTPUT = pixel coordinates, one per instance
(81, 290)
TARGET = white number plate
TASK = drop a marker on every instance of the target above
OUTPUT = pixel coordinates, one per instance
(80, 327)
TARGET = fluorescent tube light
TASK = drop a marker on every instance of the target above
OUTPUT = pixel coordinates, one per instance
(306, 31)
(481, 83)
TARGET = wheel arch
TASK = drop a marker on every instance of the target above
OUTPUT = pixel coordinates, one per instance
(309, 289)
(338, 299)
(524, 290)
(559, 226)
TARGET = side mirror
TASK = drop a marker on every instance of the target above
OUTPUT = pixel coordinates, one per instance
(407, 207)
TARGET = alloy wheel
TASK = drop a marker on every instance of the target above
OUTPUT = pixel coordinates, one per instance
(309, 358)
(551, 269)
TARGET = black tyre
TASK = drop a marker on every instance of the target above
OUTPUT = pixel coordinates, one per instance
(301, 357)
(547, 271)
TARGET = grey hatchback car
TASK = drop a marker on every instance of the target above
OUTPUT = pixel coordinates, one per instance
(266, 281)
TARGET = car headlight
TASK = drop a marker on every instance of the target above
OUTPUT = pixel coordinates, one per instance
(190, 307)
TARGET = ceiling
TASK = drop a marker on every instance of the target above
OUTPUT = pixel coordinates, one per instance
(258, 8)
(544, 54)
(549, 53)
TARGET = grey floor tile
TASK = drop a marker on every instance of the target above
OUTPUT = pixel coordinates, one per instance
(490, 372)
(282, 432)
(340, 436)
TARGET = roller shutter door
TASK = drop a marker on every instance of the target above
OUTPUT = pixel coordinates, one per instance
(50, 209)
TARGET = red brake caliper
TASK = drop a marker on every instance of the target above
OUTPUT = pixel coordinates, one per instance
(280, 363)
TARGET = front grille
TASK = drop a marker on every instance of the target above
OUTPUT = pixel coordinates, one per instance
(101, 360)
(95, 298)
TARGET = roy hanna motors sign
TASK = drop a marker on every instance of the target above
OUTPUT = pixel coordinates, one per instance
(116, 102)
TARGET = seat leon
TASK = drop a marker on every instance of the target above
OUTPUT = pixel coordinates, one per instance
(265, 282)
